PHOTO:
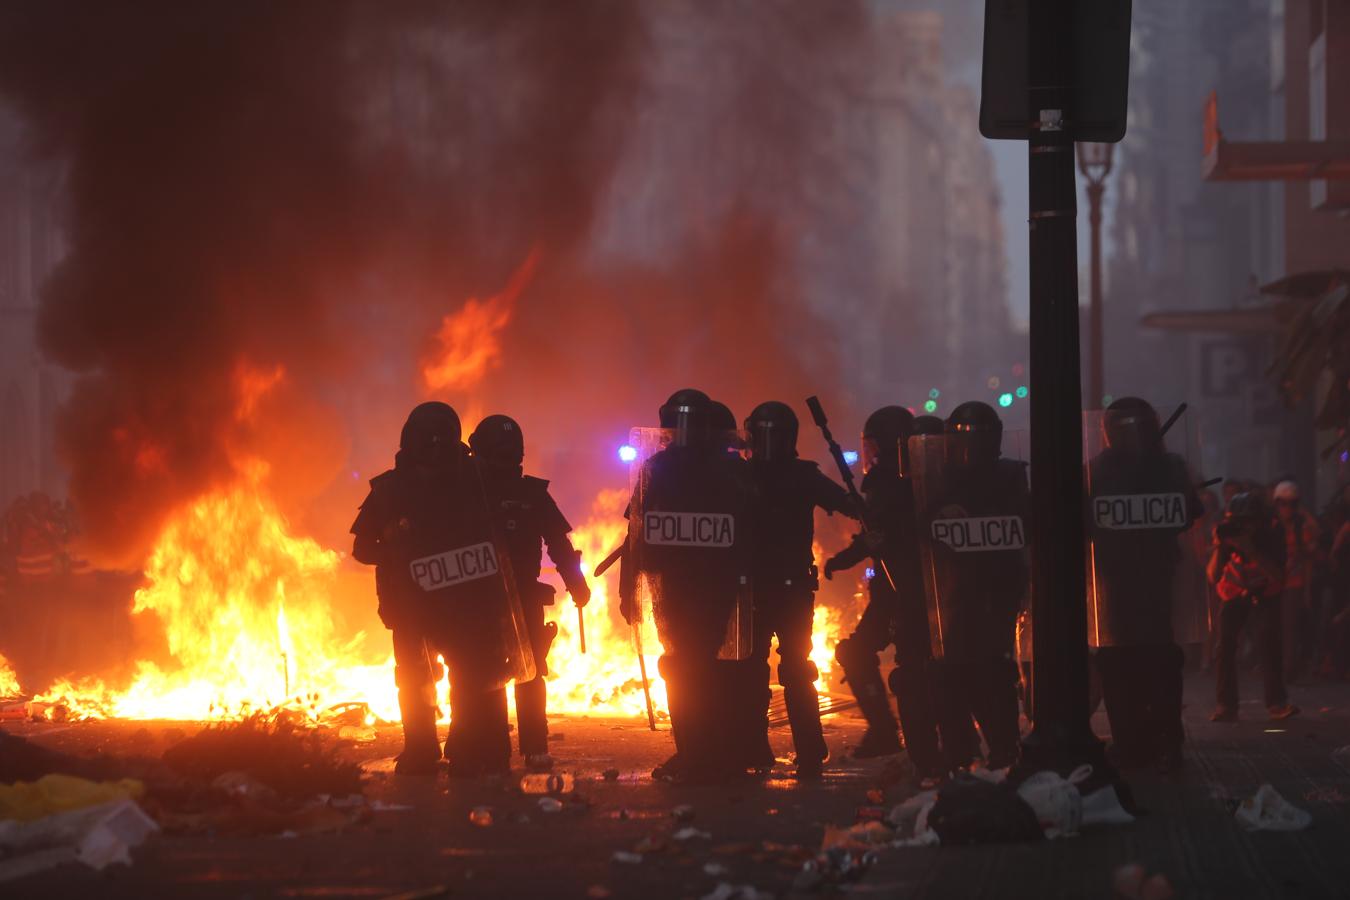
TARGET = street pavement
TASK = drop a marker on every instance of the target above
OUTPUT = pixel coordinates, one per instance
(420, 840)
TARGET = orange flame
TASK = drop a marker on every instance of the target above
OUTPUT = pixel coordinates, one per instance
(469, 340)
(9, 681)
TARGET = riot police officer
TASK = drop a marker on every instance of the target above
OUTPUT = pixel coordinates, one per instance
(1140, 500)
(429, 452)
(526, 517)
(973, 514)
(687, 546)
(893, 614)
(787, 492)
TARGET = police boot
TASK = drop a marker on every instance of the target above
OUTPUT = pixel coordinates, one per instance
(803, 712)
(909, 682)
(748, 716)
(863, 674)
(421, 748)
(532, 724)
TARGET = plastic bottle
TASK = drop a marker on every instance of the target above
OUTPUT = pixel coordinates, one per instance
(481, 816)
(548, 783)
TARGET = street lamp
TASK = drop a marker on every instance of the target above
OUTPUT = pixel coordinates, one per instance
(1094, 161)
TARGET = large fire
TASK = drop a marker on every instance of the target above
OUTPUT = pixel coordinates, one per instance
(245, 608)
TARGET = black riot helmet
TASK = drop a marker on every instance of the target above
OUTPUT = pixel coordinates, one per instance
(974, 435)
(431, 436)
(498, 444)
(1130, 425)
(773, 432)
(722, 421)
(929, 425)
(885, 438)
(687, 414)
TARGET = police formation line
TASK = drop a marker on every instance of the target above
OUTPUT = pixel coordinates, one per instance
(718, 559)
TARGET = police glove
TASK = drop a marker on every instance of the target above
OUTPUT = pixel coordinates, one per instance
(581, 593)
(831, 566)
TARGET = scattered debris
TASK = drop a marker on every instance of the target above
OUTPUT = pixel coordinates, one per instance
(598, 892)
(1342, 755)
(550, 804)
(623, 856)
(1056, 801)
(1132, 882)
(725, 891)
(481, 816)
(682, 813)
(426, 893)
(548, 783)
(970, 810)
(242, 784)
(689, 833)
(1266, 810)
(610, 774)
(714, 869)
(96, 836)
(28, 801)
(292, 761)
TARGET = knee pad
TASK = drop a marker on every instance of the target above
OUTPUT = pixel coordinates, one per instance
(795, 672)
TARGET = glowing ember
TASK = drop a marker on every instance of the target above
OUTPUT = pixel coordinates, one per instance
(469, 340)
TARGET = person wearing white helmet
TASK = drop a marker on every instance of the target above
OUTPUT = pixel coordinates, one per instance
(1297, 605)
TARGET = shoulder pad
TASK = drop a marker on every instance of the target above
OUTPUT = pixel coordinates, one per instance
(808, 466)
(535, 484)
(385, 479)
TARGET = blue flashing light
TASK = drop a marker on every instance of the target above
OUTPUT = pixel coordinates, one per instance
(871, 572)
(1005, 400)
(627, 453)
(851, 457)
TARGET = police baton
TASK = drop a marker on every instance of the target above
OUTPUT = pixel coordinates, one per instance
(646, 683)
(818, 415)
(1172, 420)
(609, 561)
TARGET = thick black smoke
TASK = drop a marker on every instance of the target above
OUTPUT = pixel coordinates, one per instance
(307, 187)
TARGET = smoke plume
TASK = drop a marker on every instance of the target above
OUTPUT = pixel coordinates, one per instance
(270, 207)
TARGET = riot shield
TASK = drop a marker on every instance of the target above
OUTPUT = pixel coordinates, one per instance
(1145, 584)
(460, 568)
(688, 547)
(973, 534)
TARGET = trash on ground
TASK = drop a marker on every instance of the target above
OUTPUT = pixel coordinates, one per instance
(1342, 755)
(1055, 800)
(725, 891)
(548, 783)
(481, 816)
(970, 810)
(96, 836)
(1103, 807)
(1132, 882)
(50, 794)
(610, 775)
(689, 833)
(714, 869)
(242, 784)
(550, 804)
(1266, 810)
(291, 761)
(682, 813)
(598, 892)
(623, 856)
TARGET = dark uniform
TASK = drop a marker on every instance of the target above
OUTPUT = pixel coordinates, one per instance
(688, 534)
(432, 501)
(527, 517)
(787, 490)
(976, 518)
(892, 614)
(1140, 501)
